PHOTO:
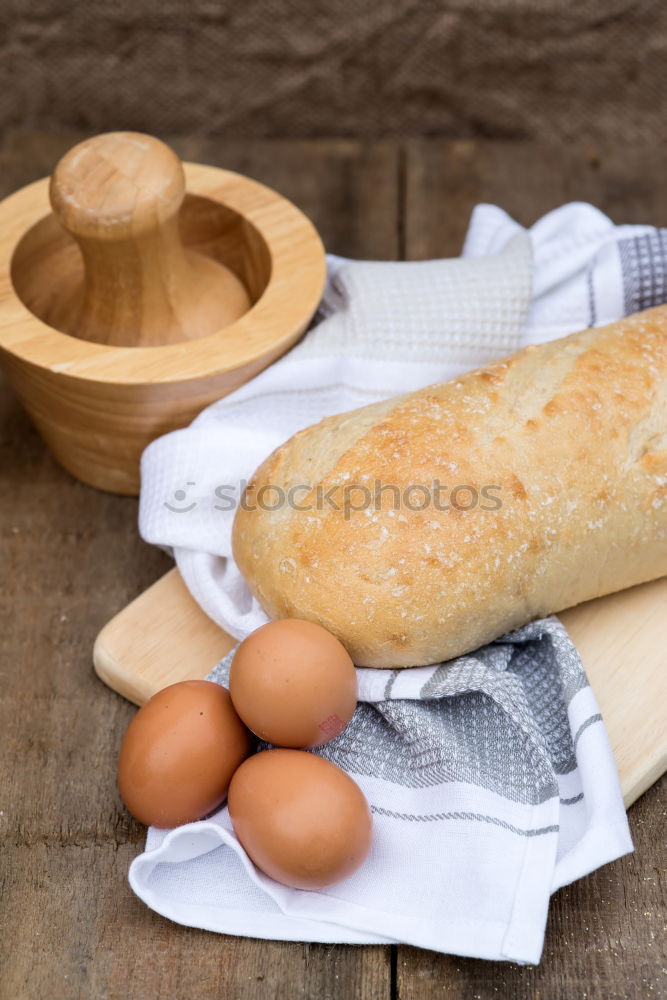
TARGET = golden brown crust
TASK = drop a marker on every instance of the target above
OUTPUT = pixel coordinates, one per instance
(573, 432)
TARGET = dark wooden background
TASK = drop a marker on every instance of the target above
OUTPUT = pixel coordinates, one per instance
(71, 557)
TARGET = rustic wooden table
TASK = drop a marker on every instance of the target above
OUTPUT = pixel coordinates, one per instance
(71, 558)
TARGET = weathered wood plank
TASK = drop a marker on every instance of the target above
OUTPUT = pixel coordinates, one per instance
(71, 557)
(444, 180)
(71, 930)
(604, 932)
(348, 189)
(605, 936)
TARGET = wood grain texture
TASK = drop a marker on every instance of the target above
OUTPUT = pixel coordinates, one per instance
(99, 404)
(604, 932)
(137, 660)
(621, 639)
(119, 196)
(445, 179)
(349, 190)
(70, 557)
(70, 928)
(604, 940)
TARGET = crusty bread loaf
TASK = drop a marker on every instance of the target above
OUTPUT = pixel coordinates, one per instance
(568, 441)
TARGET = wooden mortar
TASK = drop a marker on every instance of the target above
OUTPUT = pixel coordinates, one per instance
(152, 289)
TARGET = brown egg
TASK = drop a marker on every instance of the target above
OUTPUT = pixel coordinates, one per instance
(179, 754)
(293, 683)
(301, 820)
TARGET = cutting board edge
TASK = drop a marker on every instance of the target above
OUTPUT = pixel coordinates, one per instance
(158, 665)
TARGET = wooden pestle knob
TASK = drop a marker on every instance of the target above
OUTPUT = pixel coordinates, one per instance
(119, 196)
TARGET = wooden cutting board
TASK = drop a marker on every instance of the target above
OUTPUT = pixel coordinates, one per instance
(164, 637)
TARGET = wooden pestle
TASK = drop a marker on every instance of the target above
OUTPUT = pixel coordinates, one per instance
(119, 195)
(118, 322)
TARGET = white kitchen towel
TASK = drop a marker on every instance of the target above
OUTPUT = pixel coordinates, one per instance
(383, 329)
(386, 329)
(491, 784)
